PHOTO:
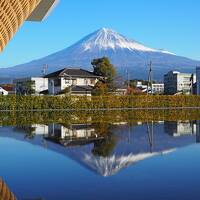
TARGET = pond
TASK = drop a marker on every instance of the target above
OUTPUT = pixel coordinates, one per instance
(83, 159)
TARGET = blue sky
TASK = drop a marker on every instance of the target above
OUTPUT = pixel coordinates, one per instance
(173, 25)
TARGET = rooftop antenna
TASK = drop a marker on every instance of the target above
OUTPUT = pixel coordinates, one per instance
(45, 69)
(44, 73)
(150, 82)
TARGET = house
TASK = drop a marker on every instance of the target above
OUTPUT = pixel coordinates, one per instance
(3, 91)
(9, 89)
(176, 82)
(72, 81)
(31, 85)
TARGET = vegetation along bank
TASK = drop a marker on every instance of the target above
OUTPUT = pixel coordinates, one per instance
(34, 103)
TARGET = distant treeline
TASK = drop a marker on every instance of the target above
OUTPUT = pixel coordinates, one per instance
(24, 103)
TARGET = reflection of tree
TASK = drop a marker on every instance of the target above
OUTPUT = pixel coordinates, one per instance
(100, 117)
(102, 128)
(104, 147)
(28, 130)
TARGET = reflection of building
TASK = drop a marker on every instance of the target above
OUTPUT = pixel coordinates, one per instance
(74, 134)
(5, 193)
(34, 129)
(14, 13)
(31, 85)
(40, 129)
(180, 128)
(176, 82)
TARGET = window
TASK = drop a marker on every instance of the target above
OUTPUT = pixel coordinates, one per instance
(74, 82)
(67, 81)
(86, 81)
(92, 81)
(57, 82)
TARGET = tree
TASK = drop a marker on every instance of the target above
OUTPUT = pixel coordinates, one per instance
(27, 88)
(100, 89)
(103, 67)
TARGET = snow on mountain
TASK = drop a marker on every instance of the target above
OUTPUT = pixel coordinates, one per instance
(105, 39)
(123, 53)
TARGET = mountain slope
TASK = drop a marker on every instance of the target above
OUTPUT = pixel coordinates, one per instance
(124, 54)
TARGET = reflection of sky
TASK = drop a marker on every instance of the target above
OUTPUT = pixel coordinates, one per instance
(39, 171)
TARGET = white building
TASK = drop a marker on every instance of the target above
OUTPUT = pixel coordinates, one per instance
(72, 81)
(141, 86)
(180, 128)
(3, 92)
(176, 82)
(31, 85)
(158, 88)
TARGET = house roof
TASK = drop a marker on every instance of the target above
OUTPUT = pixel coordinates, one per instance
(8, 87)
(72, 72)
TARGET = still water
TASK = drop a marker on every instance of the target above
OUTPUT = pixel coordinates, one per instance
(154, 160)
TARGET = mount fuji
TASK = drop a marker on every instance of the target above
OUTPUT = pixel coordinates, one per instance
(125, 54)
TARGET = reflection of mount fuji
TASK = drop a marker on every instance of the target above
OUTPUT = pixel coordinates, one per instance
(107, 155)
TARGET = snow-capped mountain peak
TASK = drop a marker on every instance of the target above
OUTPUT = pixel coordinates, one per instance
(125, 54)
(105, 39)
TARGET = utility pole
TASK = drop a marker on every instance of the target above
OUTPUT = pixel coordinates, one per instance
(150, 132)
(150, 83)
(128, 79)
(44, 73)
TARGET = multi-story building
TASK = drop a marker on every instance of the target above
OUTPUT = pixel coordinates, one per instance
(13, 13)
(176, 82)
(158, 88)
(31, 85)
(72, 81)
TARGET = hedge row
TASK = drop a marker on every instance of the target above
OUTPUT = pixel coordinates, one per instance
(101, 102)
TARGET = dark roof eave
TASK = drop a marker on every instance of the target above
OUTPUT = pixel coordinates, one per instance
(77, 76)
